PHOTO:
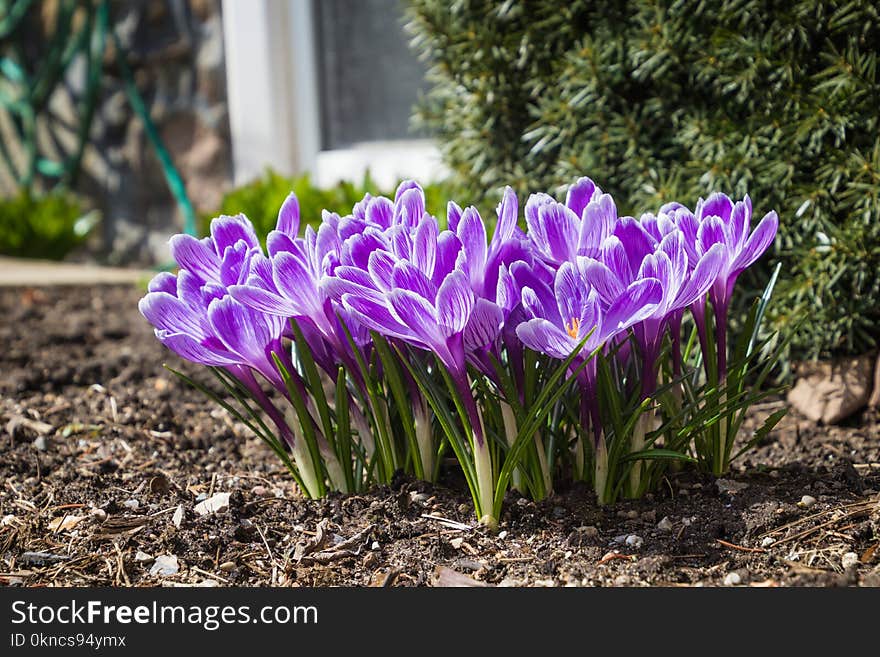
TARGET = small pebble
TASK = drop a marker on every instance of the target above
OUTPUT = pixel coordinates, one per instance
(99, 514)
(132, 504)
(40, 443)
(632, 515)
(165, 565)
(588, 530)
(260, 491)
(143, 557)
(419, 498)
(456, 543)
(227, 566)
(559, 512)
(849, 560)
(375, 545)
(768, 541)
(634, 541)
(665, 525)
(807, 501)
(732, 579)
(621, 580)
(509, 582)
(502, 534)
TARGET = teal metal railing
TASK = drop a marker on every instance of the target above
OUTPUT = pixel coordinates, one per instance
(81, 29)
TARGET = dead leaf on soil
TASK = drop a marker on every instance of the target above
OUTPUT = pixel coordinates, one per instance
(65, 523)
(446, 577)
(115, 527)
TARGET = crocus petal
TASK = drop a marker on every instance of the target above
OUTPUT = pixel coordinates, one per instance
(717, 205)
(276, 242)
(598, 221)
(545, 337)
(263, 301)
(425, 246)
(453, 215)
(380, 212)
(165, 311)
(401, 241)
(758, 241)
(672, 245)
(637, 304)
(226, 231)
(614, 255)
(570, 291)
(606, 283)
(472, 234)
(408, 277)
(636, 241)
(357, 249)
(405, 186)
(507, 294)
(163, 282)
(448, 250)
(702, 278)
(376, 316)
(560, 229)
(484, 325)
(580, 194)
(327, 244)
(288, 216)
(381, 269)
(689, 226)
(233, 265)
(455, 301)
(191, 290)
(507, 211)
(738, 226)
(197, 256)
(414, 312)
(711, 232)
(244, 331)
(191, 349)
(409, 206)
(294, 281)
(590, 317)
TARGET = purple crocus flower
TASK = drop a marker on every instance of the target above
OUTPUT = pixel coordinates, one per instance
(560, 232)
(287, 284)
(194, 316)
(634, 253)
(719, 222)
(557, 328)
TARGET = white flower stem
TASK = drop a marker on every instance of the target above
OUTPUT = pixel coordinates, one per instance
(510, 433)
(637, 444)
(305, 464)
(485, 479)
(424, 438)
(600, 477)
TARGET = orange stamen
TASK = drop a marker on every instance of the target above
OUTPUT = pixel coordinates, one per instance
(574, 327)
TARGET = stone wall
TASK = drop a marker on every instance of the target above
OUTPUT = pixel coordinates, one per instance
(175, 48)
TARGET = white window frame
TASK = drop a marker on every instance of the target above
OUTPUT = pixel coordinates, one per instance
(274, 104)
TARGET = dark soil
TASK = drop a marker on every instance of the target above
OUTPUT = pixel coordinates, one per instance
(104, 455)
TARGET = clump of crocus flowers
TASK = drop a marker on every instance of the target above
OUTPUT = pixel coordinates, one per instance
(587, 346)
